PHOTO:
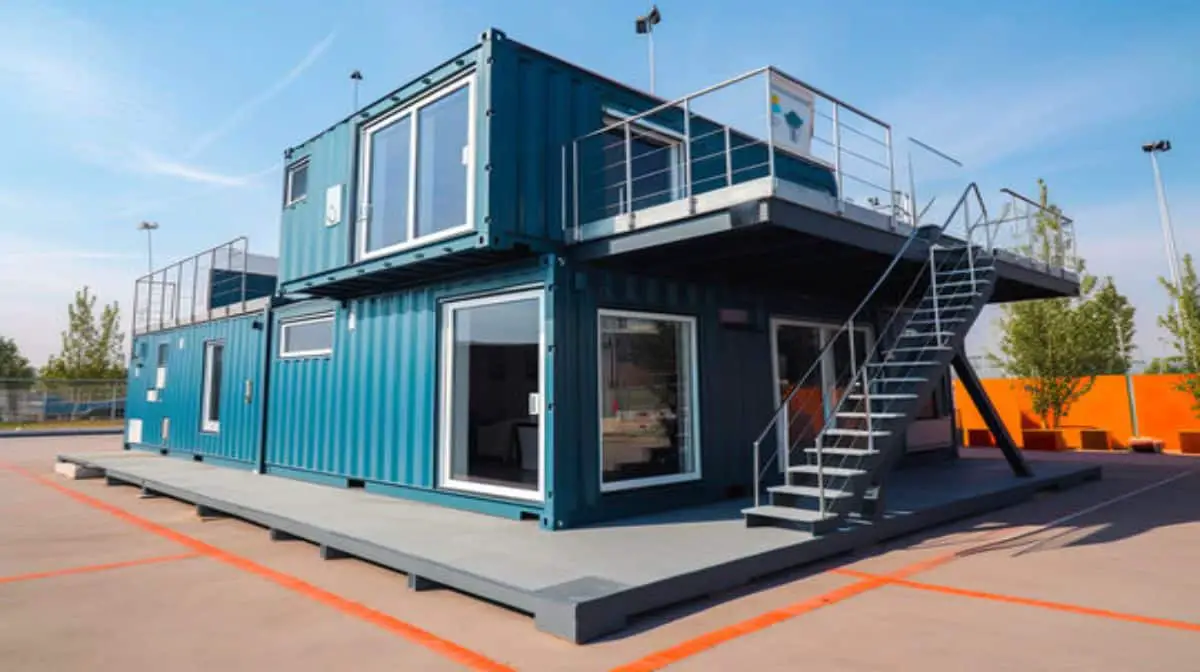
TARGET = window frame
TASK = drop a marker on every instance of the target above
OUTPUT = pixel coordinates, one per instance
(208, 426)
(160, 365)
(285, 324)
(670, 139)
(693, 371)
(289, 198)
(365, 136)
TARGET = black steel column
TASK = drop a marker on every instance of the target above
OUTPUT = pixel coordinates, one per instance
(970, 380)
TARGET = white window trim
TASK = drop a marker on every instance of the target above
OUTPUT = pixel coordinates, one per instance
(364, 180)
(827, 366)
(658, 133)
(206, 425)
(289, 172)
(160, 367)
(693, 410)
(284, 325)
(445, 373)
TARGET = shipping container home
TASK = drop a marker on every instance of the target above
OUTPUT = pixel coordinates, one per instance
(517, 287)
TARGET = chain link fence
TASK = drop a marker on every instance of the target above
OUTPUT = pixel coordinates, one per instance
(43, 401)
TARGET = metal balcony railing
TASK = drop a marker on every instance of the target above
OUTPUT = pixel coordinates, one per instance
(217, 282)
(772, 127)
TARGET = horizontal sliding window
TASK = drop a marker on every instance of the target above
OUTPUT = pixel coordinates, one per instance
(306, 337)
(416, 168)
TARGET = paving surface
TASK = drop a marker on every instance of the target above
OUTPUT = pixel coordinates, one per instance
(1106, 577)
(579, 584)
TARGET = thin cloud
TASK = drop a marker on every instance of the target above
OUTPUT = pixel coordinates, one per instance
(245, 110)
(149, 162)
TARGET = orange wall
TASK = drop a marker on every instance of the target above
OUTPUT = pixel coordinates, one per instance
(1162, 410)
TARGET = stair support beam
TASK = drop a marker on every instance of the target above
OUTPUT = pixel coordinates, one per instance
(983, 403)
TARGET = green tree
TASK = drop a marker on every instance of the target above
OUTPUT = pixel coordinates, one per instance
(1060, 345)
(1182, 324)
(12, 363)
(91, 345)
(1170, 364)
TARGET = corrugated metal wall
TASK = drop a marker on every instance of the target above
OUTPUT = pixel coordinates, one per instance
(367, 411)
(735, 394)
(307, 246)
(179, 400)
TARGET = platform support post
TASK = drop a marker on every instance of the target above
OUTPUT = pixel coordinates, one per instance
(974, 386)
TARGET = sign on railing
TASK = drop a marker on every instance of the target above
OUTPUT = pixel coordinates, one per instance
(793, 112)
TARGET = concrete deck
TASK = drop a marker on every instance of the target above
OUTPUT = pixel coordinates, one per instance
(578, 584)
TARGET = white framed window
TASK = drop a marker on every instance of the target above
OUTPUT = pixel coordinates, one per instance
(649, 399)
(295, 188)
(310, 336)
(492, 386)
(160, 371)
(417, 173)
(210, 398)
(655, 165)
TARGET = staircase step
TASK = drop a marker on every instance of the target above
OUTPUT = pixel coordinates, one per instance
(941, 309)
(862, 415)
(898, 380)
(814, 521)
(809, 491)
(835, 472)
(962, 283)
(967, 271)
(842, 431)
(844, 452)
(927, 334)
(942, 320)
(957, 295)
(882, 397)
(925, 349)
(911, 365)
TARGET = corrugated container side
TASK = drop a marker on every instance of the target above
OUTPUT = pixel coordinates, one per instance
(308, 247)
(179, 401)
(735, 394)
(367, 411)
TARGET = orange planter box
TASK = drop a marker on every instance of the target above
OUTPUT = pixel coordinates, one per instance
(1095, 439)
(1189, 441)
(980, 438)
(1044, 439)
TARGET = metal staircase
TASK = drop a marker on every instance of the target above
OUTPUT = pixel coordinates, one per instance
(835, 462)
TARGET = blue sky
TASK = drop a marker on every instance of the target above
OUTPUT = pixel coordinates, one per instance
(179, 112)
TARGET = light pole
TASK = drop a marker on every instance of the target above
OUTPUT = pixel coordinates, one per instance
(1164, 214)
(149, 228)
(645, 26)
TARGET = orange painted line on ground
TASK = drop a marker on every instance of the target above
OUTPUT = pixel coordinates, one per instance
(392, 624)
(96, 568)
(1025, 601)
(665, 657)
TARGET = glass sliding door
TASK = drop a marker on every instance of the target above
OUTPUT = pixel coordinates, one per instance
(491, 377)
(796, 346)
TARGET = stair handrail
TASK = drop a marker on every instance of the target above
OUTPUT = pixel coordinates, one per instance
(847, 327)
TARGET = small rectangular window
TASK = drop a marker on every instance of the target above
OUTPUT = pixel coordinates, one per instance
(160, 378)
(306, 337)
(296, 187)
(210, 403)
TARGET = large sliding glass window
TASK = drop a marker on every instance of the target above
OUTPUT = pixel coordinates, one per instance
(417, 172)
(492, 395)
(649, 425)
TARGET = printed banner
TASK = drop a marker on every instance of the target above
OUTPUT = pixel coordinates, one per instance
(792, 110)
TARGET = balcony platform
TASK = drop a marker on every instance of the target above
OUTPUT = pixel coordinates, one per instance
(578, 584)
(773, 233)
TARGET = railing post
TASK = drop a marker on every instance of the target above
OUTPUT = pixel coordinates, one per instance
(820, 476)
(891, 179)
(837, 157)
(562, 185)
(162, 299)
(575, 187)
(212, 266)
(757, 461)
(178, 291)
(687, 153)
(933, 290)
(770, 133)
(195, 282)
(728, 159)
(629, 167)
(245, 269)
(136, 286)
(866, 383)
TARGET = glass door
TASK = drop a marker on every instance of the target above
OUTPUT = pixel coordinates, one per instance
(796, 346)
(492, 395)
